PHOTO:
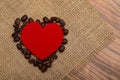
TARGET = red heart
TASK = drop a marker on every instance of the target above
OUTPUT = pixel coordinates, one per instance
(42, 42)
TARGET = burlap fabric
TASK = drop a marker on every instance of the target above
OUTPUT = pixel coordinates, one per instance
(87, 33)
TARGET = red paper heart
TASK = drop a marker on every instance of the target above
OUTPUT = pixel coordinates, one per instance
(42, 42)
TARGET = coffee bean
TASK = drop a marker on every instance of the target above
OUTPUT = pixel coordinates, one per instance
(39, 61)
(25, 23)
(15, 34)
(17, 21)
(52, 19)
(45, 19)
(17, 30)
(40, 66)
(21, 28)
(36, 63)
(43, 68)
(24, 18)
(38, 21)
(19, 46)
(65, 31)
(61, 48)
(42, 24)
(30, 20)
(54, 56)
(23, 51)
(62, 23)
(57, 20)
(27, 56)
(48, 63)
(15, 26)
(64, 41)
(27, 51)
(21, 43)
(31, 61)
(16, 39)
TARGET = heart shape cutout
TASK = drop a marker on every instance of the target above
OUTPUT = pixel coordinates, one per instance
(42, 41)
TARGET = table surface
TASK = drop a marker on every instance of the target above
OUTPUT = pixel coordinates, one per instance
(106, 64)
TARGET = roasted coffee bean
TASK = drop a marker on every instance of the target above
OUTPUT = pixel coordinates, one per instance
(62, 23)
(15, 34)
(48, 63)
(42, 24)
(54, 56)
(65, 31)
(38, 21)
(57, 20)
(30, 20)
(36, 63)
(43, 68)
(27, 51)
(23, 51)
(27, 56)
(17, 30)
(25, 23)
(31, 61)
(52, 19)
(61, 48)
(21, 43)
(16, 39)
(64, 41)
(24, 18)
(19, 46)
(17, 21)
(45, 19)
(39, 61)
(51, 59)
(15, 26)
(40, 66)
(21, 28)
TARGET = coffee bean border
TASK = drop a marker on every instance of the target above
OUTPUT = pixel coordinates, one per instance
(20, 23)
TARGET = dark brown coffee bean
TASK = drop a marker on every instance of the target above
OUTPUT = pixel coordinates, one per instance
(42, 24)
(21, 28)
(16, 39)
(25, 23)
(15, 26)
(30, 20)
(17, 21)
(40, 61)
(61, 48)
(65, 31)
(23, 51)
(52, 19)
(40, 66)
(43, 68)
(54, 56)
(15, 34)
(27, 51)
(27, 56)
(36, 63)
(19, 46)
(62, 23)
(21, 43)
(38, 21)
(57, 20)
(31, 61)
(47, 63)
(24, 18)
(45, 19)
(64, 41)
(17, 30)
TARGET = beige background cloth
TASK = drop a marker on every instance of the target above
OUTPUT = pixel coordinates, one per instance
(88, 33)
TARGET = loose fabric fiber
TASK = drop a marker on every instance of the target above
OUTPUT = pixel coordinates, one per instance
(88, 33)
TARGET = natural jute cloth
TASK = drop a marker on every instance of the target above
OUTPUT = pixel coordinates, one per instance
(88, 33)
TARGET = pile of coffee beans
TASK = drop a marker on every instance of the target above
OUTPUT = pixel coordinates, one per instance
(20, 23)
